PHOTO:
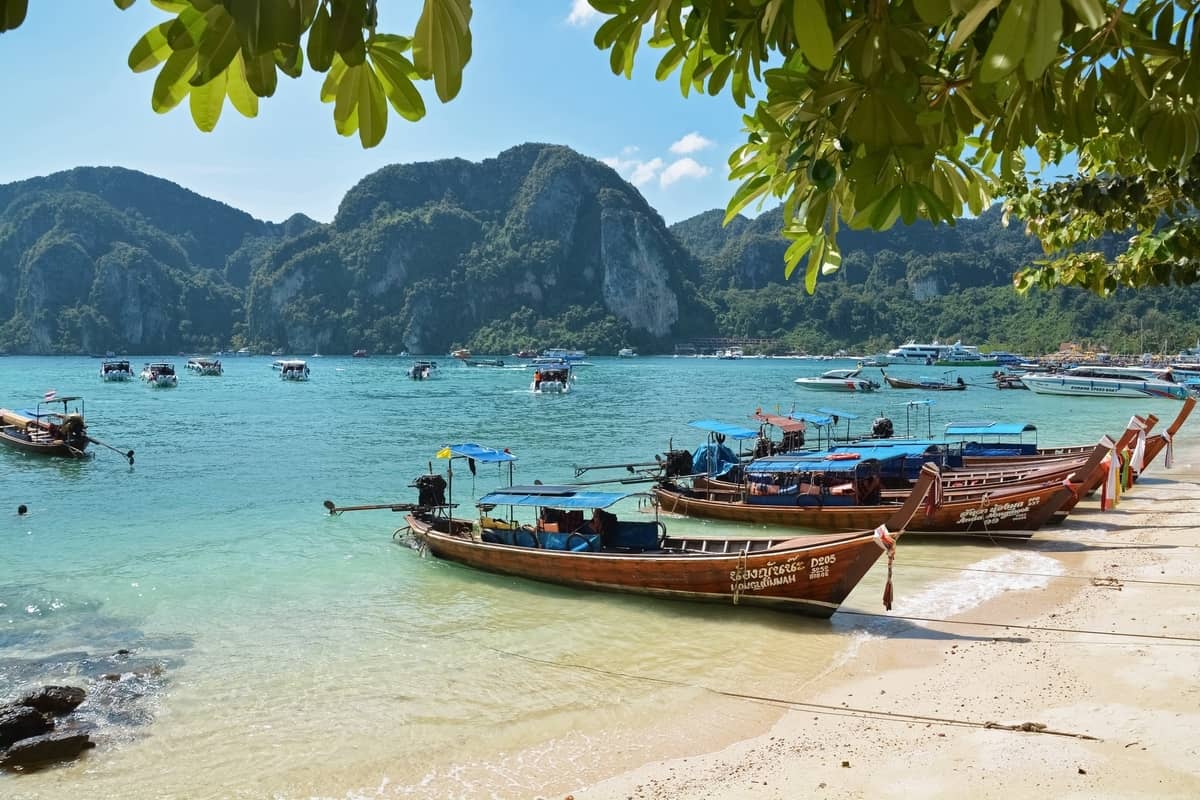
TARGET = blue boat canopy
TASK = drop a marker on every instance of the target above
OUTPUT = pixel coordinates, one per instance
(833, 412)
(989, 428)
(724, 428)
(553, 497)
(816, 419)
(842, 458)
(484, 455)
(809, 462)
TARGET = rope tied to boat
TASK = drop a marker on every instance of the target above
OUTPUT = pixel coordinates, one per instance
(883, 537)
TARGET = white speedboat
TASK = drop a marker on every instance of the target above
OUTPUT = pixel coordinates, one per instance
(1107, 382)
(422, 370)
(552, 378)
(291, 369)
(160, 375)
(626, 352)
(205, 366)
(838, 380)
(116, 371)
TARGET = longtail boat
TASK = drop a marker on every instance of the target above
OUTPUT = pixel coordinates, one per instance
(47, 432)
(844, 490)
(928, 384)
(808, 575)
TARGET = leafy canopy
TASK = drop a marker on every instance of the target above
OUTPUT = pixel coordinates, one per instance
(873, 111)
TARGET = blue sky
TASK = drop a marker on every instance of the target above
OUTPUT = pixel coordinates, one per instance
(69, 99)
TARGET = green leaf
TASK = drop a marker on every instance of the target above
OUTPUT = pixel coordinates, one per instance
(320, 41)
(329, 88)
(346, 26)
(260, 73)
(171, 85)
(1043, 43)
(934, 12)
(971, 21)
(185, 31)
(801, 243)
(349, 92)
(240, 94)
(1008, 43)
(816, 257)
(442, 44)
(265, 25)
(218, 45)
(1090, 11)
(812, 32)
(123, 4)
(12, 14)
(152, 49)
(372, 108)
(745, 195)
(395, 74)
(206, 102)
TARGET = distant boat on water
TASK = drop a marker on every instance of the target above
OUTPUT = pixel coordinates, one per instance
(627, 352)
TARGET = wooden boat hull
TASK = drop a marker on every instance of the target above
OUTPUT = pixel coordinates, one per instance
(811, 577)
(897, 383)
(29, 436)
(1018, 511)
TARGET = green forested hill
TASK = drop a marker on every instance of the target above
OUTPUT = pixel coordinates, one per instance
(536, 247)
(919, 282)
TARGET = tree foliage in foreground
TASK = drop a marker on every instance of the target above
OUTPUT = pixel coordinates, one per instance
(874, 111)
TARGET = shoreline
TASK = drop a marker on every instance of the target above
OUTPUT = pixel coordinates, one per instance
(903, 716)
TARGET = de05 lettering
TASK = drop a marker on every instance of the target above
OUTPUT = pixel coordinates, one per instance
(819, 567)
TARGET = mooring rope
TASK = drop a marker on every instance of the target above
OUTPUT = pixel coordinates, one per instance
(1159, 636)
(819, 708)
(927, 565)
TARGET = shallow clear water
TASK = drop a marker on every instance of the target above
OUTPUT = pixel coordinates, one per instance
(281, 652)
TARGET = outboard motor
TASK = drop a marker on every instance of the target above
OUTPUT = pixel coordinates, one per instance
(677, 462)
(431, 490)
(882, 428)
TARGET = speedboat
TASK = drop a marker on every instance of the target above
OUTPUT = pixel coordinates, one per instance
(116, 371)
(422, 370)
(626, 352)
(1108, 382)
(291, 369)
(838, 380)
(205, 366)
(552, 378)
(160, 375)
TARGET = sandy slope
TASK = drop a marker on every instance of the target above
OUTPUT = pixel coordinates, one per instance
(1139, 696)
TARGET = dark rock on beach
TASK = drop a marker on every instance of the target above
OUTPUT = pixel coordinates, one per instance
(20, 722)
(53, 699)
(49, 748)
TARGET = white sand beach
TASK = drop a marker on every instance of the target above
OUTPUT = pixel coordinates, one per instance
(1109, 648)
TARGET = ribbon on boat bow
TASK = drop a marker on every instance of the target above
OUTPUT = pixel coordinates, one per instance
(1069, 482)
(1169, 456)
(933, 499)
(887, 543)
(1112, 482)
(1138, 462)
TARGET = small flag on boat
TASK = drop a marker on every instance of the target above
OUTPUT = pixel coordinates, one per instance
(49, 395)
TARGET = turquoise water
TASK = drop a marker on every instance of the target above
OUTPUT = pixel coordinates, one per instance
(281, 652)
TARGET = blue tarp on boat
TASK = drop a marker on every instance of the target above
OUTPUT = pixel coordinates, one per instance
(713, 459)
(816, 419)
(989, 428)
(807, 462)
(553, 497)
(484, 455)
(724, 428)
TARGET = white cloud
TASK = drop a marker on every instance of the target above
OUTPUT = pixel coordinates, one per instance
(683, 168)
(635, 171)
(691, 143)
(581, 13)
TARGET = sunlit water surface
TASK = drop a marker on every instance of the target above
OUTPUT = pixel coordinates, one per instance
(280, 652)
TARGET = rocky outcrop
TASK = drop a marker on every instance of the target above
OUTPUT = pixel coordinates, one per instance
(28, 739)
(421, 255)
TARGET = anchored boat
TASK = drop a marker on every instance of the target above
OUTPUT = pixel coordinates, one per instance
(45, 430)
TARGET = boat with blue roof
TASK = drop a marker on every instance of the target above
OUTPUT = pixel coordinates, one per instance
(566, 535)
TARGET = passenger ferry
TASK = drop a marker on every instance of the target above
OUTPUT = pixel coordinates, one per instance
(913, 353)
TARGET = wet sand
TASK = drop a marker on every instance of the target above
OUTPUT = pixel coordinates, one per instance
(905, 716)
